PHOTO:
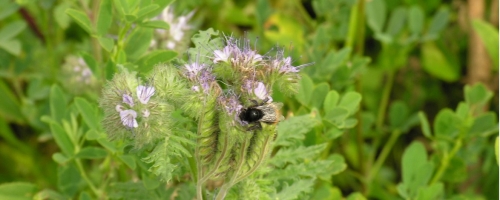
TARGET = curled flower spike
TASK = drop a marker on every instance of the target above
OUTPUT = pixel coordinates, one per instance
(144, 93)
(128, 118)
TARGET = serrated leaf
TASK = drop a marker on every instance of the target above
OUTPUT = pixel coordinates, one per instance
(81, 18)
(294, 155)
(104, 17)
(17, 191)
(294, 129)
(88, 113)
(293, 191)
(91, 153)
(161, 163)
(11, 30)
(156, 24)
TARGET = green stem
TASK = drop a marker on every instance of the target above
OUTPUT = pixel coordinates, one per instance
(86, 178)
(383, 155)
(384, 101)
(446, 161)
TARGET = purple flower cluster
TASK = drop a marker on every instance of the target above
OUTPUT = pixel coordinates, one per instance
(200, 75)
(244, 57)
(128, 115)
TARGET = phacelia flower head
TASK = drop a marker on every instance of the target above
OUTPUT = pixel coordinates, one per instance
(238, 53)
(132, 111)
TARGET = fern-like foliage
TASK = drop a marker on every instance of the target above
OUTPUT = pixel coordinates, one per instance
(162, 155)
(292, 191)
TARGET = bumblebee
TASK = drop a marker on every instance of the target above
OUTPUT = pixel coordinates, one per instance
(268, 113)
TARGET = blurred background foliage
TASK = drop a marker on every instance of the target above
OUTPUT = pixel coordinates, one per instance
(395, 70)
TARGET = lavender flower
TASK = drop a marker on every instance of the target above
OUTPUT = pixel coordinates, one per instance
(193, 69)
(128, 118)
(241, 56)
(128, 100)
(179, 27)
(144, 93)
(224, 54)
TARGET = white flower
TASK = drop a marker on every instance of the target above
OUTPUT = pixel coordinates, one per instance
(119, 108)
(128, 118)
(144, 93)
(223, 55)
(145, 113)
(260, 91)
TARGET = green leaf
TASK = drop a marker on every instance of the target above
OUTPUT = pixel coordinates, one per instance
(438, 23)
(9, 105)
(396, 22)
(350, 101)
(417, 171)
(128, 160)
(305, 91)
(293, 191)
(356, 196)
(88, 113)
(434, 191)
(331, 100)
(138, 43)
(156, 24)
(426, 128)
(416, 19)
(104, 17)
(84, 196)
(456, 171)
(68, 179)
(57, 101)
(106, 43)
(318, 95)
(60, 158)
(93, 134)
(143, 12)
(296, 155)
(333, 133)
(337, 116)
(447, 124)
(496, 150)
(435, 63)
(11, 30)
(11, 46)
(8, 8)
(62, 139)
(91, 62)
(398, 114)
(376, 14)
(477, 95)
(81, 18)
(17, 191)
(122, 7)
(154, 58)
(294, 129)
(484, 125)
(489, 36)
(60, 16)
(91, 153)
